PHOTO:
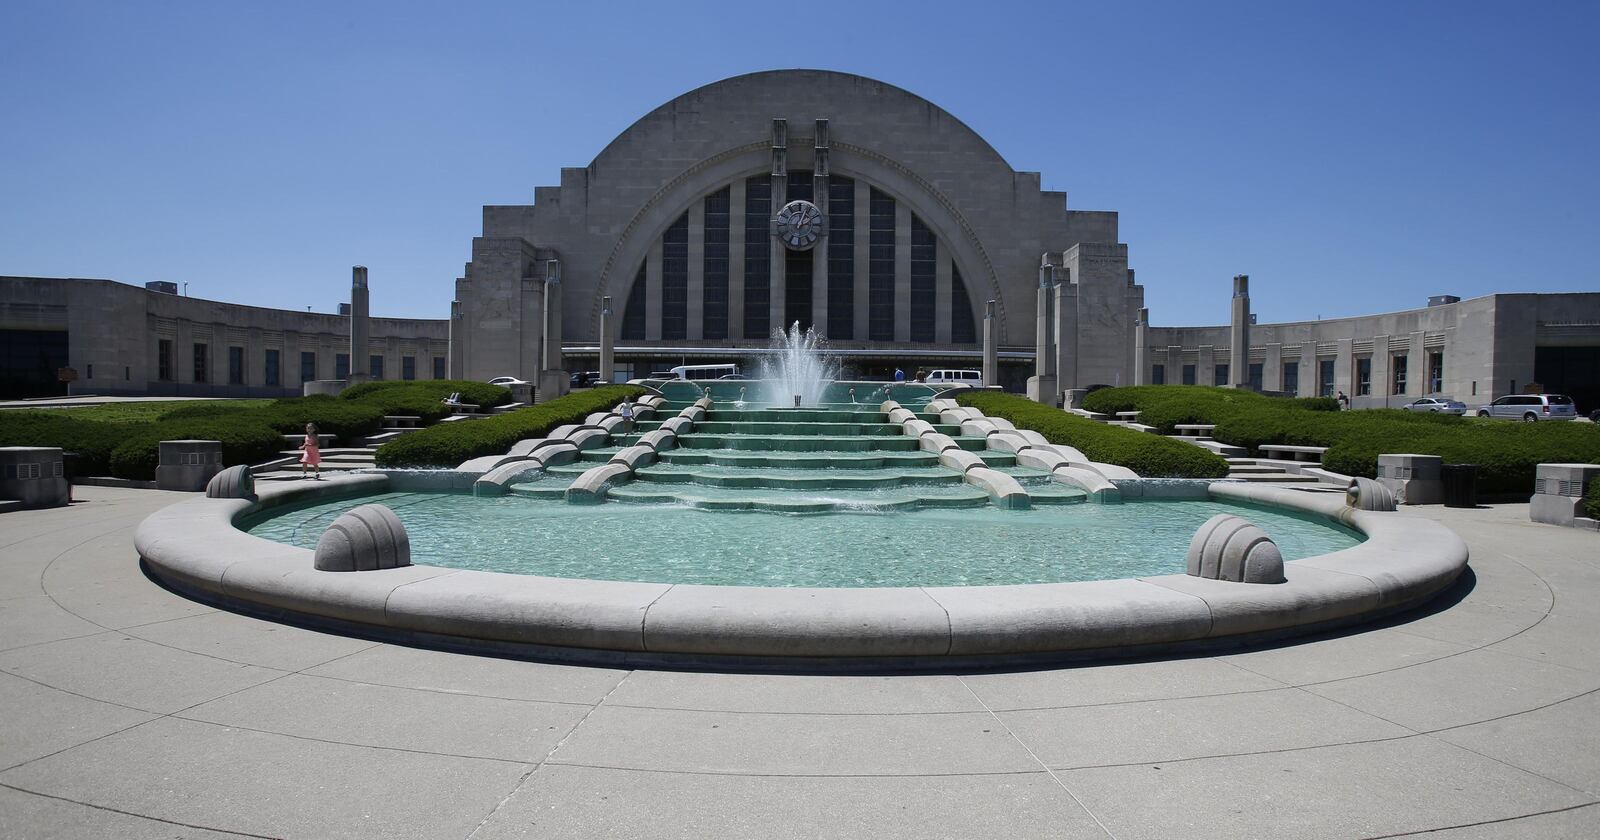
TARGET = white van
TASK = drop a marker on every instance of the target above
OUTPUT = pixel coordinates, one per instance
(956, 377)
(699, 373)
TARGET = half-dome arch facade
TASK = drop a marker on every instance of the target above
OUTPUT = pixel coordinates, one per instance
(674, 242)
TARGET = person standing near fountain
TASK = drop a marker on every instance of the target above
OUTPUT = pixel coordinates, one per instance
(311, 453)
(899, 375)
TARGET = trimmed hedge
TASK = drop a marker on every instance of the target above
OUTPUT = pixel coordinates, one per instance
(1507, 454)
(242, 443)
(1591, 502)
(92, 440)
(450, 444)
(345, 420)
(1151, 456)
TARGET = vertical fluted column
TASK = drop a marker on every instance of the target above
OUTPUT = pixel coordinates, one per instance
(991, 347)
(606, 363)
(1239, 335)
(360, 325)
(1141, 352)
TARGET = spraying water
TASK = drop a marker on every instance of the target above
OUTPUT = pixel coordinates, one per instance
(798, 366)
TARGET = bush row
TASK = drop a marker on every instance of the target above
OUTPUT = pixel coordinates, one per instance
(1507, 454)
(1151, 456)
(1591, 502)
(449, 444)
(249, 435)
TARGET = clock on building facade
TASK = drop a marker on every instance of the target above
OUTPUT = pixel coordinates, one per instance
(799, 225)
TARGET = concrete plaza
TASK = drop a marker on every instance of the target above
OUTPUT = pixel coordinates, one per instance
(131, 712)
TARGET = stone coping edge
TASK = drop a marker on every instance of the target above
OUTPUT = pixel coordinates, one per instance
(194, 547)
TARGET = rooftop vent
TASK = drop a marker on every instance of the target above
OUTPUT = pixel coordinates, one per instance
(344, 309)
(1441, 300)
(166, 287)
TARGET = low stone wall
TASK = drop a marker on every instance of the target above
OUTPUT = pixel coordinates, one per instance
(1405, 561)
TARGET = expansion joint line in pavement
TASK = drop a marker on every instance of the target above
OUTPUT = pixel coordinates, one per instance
(523, 780)
(1031, 754)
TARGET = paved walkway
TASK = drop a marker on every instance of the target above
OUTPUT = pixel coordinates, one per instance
(133, 713)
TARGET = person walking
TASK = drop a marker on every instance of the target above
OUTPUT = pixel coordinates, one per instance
(899, 375)
(311, 453)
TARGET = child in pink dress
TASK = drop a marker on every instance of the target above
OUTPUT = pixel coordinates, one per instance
(311, 454)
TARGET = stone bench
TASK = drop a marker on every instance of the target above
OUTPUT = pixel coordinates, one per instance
(1128, 415)
(400, 421)
(461, 408)
(1195, 429)
(1312, 454)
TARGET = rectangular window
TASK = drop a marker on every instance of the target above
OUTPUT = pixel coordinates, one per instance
(880, 268)
(408, 368)
(271, 373)
(923, 288)
(1188, 375)
(1219, 375)
(375, 367)
(235, 365)
(1435, 372)
(841, 258)
(1158, 375)
(757, 257)
(797, 268)
(675, 280)
(1255, 376)
(202, 363)
(1291, 377)
(1325, 377)
(308, 366)
(341, 366)
(439, 368)
(1397, 374)
(962, 328)
(1363, 377)
(164, 359)
(714, 266)
(88, 371)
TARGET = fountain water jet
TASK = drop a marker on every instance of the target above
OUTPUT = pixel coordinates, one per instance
(798, 367)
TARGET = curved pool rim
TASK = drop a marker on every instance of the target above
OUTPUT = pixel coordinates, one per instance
(195, 548)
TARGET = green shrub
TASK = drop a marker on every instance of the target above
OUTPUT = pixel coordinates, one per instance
(476, 393)
(92, 440)
(1591, 502)
(1317, 403)
(450, 444)
(345, 420)
(242, 443)
(1507, 454)
(1151, 456)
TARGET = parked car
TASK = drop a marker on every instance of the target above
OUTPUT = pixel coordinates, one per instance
(1437, 405)
(507, 381)
(1531, 407)
(584, 379)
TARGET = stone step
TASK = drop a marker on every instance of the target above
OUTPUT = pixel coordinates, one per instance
(1279, 478)
(401, 421)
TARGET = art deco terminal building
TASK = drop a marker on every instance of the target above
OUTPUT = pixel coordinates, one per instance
(829, 199)
(905, 224)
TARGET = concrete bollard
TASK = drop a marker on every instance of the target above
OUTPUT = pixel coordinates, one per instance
(1414, 479)
(1558, 492)
(34, 475)
(188, 465)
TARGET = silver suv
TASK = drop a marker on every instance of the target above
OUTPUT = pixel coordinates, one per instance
(1531, 407)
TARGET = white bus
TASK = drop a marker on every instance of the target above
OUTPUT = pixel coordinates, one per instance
(697, 373)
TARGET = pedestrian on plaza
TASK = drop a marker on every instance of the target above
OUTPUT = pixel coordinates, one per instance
(1344, 401)
(311, 453)
(899, 375)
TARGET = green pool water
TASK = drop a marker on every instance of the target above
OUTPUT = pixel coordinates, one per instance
(678, 544)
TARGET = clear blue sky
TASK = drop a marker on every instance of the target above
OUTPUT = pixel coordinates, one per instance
(1350, 156)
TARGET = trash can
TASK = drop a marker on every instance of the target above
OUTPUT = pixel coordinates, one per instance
(1460, 485)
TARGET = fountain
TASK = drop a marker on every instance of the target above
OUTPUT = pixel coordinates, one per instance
(798, 367)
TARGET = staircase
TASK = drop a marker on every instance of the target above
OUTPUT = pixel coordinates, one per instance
(838, 456)
(1264, 471)
(337, 459)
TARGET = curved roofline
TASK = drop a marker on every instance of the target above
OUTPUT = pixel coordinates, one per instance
(957, 120)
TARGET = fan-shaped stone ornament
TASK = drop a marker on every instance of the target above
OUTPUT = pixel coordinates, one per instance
(235, 482)
(1228, 547)
(369, 537)
(1367, 494)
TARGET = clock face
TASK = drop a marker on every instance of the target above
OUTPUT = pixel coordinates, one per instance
(799, 225)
